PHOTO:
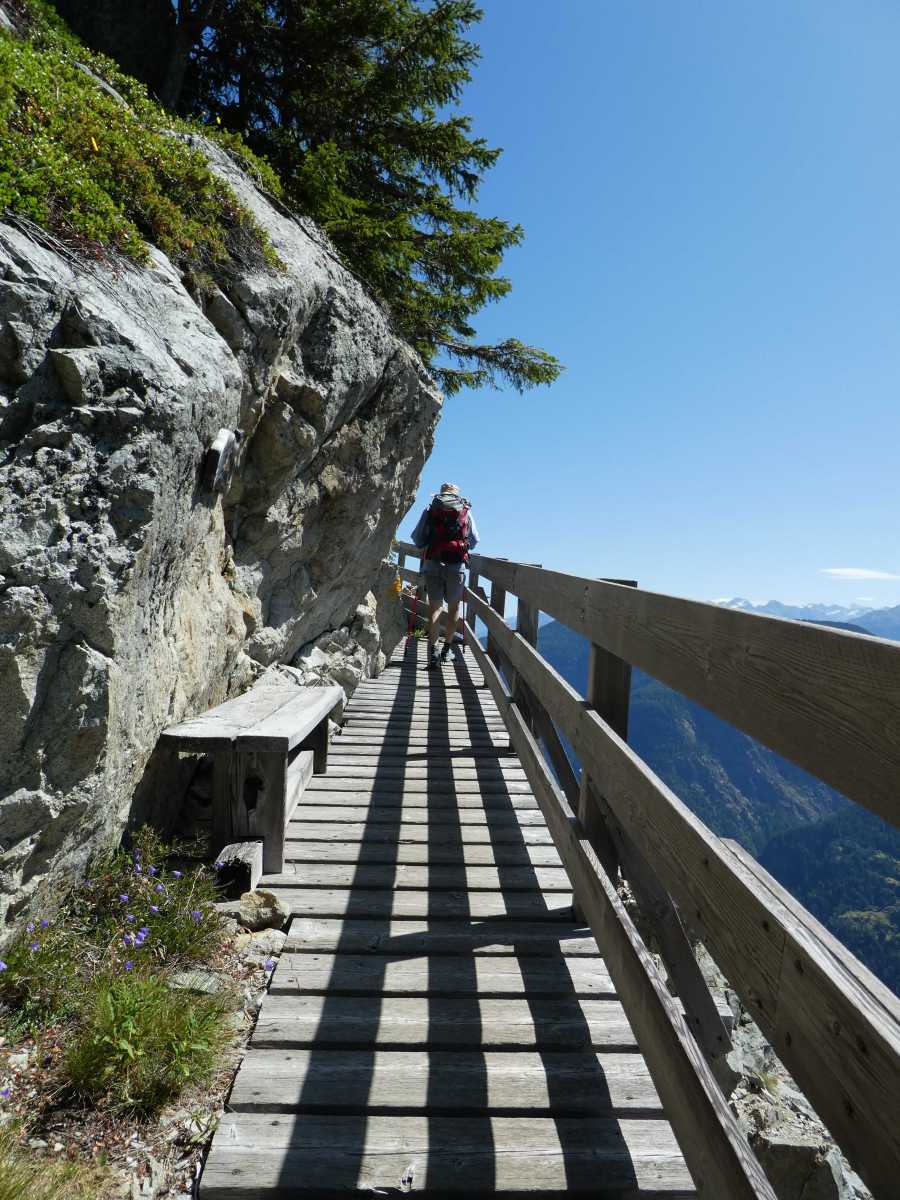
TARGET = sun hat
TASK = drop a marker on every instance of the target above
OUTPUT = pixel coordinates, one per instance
(450, 487)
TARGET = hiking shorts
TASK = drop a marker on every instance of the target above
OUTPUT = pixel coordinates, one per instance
(444, 582)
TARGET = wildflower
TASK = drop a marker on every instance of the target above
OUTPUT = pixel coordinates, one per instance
(3, 966)
(34, 946)
(151, 870)
(144, 929)
(124, 897)
(154, 908)
(138, 868)
(44, 922)
(217, 866)
(160, 887)
(176, 874)
(129, 916)
(269, 964)
(4, 1093)
(128, 939)
(29, 928)
(129, 965)
(196, 916)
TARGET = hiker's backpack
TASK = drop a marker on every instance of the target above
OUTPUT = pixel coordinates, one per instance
(448, 531)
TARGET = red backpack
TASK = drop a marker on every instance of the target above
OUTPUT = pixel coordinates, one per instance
(448, 531)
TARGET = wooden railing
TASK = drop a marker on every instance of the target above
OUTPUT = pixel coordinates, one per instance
(828, 700)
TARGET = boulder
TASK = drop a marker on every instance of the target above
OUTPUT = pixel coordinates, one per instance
(262, 910)
(132, 598)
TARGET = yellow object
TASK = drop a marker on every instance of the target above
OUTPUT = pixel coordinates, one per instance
(218, 120)
(397, 586)
(96, 148)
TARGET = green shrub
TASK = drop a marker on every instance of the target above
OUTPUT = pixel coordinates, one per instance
(26, 1177)
(97, 172)
(140, 1041)
(131, 909)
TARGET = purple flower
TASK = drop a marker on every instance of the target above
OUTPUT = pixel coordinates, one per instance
(217, 866)
(3, 966)
(34, 946)
(29, 928)
(124, 897)
(129, 916)
(151, 870)
(129, 965)
(176, 874)
(138, 868)
(44, 922)
(196, 916)
(128, 939)
(269, 964)
(160, 887)
(4, 1093)
(154, 908)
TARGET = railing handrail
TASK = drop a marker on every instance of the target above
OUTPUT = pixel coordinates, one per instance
(827, 699)
(832, 1022)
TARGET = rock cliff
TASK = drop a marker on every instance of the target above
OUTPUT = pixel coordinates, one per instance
(130, 595)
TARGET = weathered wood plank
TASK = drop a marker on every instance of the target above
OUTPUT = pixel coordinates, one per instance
(218, 728)
(433, 877)
(714, 1146)
(288, 725)
(415, 814)
(405, 937)
(442, 975)
(449, 772)
(460, 853)
(438, 1023)
(408, 831)
(359, 902)
(463, 795)
(407, 1081)
(328, 1156)
(827, 699)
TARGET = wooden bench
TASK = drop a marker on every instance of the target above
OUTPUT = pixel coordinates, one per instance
(266, 745)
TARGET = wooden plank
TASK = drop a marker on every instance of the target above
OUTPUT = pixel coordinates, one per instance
(239, 866)
(433, 877)
(504, 854)
(441, 975)
(405, 937)
(327, 1156)
(287, 726)
(753, 939)
(713, 1144)
(297, 778)
(410, 1081)
(218, 728)
(827, 699)
(414, 814)
(408, 831)
(462, 796)
(451, 772)
(369, 902)
(439, 1023)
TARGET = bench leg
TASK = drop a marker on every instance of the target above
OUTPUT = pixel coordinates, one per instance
(318, 743)
(249, 802)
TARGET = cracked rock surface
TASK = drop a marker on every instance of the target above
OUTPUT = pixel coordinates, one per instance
(130, 598)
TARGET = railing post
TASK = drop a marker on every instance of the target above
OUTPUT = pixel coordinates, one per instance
(401, 559)
(498, 604)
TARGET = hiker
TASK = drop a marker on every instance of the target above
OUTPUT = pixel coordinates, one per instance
(446, 532)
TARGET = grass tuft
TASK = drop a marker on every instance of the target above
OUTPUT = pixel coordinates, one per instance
(23, 1177)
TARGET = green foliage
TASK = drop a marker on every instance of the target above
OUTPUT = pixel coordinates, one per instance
(139, 1041)
(107, 174)
(22, 1177)
(355, 105)
(166, 918)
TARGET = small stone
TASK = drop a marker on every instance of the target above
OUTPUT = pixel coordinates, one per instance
(57, 1147)
(37, 1143)
(262, 910)
(19, 1060)
(206, 982)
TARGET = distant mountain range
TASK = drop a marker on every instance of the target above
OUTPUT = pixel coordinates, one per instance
(840, 861)
(882, 622)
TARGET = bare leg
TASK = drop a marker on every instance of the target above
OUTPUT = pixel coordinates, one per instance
(435, 609)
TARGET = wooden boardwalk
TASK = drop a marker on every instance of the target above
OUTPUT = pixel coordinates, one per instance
(437, 1022)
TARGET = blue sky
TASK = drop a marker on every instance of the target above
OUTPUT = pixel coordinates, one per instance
(710, 191)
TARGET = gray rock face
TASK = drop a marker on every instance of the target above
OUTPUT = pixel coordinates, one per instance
(130, 597)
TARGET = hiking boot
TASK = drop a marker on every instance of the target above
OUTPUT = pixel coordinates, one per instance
(433, 660)
(445, 653)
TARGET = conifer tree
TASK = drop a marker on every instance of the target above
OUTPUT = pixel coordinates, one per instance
(354, 104)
